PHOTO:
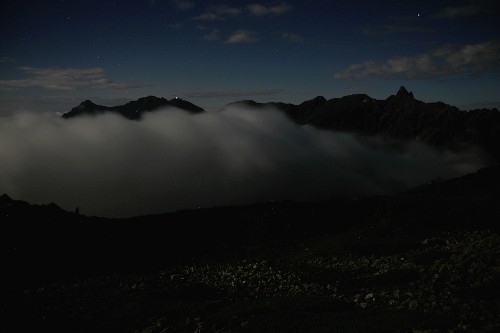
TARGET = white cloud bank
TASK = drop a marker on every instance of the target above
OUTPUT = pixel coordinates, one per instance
(170, 160)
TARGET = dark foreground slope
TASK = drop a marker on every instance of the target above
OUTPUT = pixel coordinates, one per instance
(423, 260)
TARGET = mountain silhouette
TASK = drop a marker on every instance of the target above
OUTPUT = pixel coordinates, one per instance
(132, 110)
(399, 116)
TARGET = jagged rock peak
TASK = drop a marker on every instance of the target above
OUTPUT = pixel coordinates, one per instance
(315, 102)
(402, 92)
(246, 102)
(151, 98)
(5, 198)
(318, 99)
(87, 105)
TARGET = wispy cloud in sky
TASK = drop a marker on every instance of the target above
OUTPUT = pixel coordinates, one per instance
(6, 59)
(65, 79)
(458, 11)
(242, 36)
(446, 60)
(212, 35)
(360, 87)
(292, 37)
(220, 12)
(395, 28)
(261, 10)
(242, 93)
(398, 24)
(182, 4)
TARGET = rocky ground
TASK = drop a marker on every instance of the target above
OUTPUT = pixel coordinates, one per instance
(422, 261)
(448, 282)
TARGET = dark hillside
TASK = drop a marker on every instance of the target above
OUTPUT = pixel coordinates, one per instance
(425, 259)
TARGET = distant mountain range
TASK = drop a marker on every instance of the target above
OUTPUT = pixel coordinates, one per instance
(132, 110)
(399, 116)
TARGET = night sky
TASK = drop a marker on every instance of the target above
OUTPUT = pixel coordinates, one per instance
(55, 54)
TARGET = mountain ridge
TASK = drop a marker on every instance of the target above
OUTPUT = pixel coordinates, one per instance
(132, 110)
(399, 116)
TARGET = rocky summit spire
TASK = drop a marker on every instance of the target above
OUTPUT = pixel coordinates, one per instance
(87, 103)
(402, 92)
(5, 200)
(5, 197)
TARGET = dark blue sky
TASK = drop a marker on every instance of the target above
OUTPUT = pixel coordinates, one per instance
(54, 54)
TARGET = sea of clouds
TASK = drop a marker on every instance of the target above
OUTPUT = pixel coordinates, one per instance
(170, 160)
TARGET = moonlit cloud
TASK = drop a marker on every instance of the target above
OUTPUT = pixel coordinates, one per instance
(480, 105)
(212, 35)
(399, 25)
(262, 10)
(242, 36)
(65, 79)
(446, 60)
(292, 37)
(396, 28)
(232, 93)
(220, 12)
(171, 160)
(360, 87)
(457, 12)
(6, 59)
(182, 4)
